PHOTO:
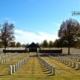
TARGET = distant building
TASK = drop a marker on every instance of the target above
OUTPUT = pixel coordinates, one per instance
(33, 47)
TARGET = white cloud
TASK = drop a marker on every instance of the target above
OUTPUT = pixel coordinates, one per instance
(57, 24)
(28, 37)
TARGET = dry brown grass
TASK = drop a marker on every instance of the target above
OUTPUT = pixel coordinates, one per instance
(33, 69)
(4, 68)
(63, 72)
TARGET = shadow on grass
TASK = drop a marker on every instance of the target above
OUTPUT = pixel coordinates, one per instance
(45, 70)
(4, 74)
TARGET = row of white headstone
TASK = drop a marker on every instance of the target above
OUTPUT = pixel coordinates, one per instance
(3, 61)
(76, 58)
(2, 56)
(71, 63)
(15, 67)
(73, 57)
(48, 65)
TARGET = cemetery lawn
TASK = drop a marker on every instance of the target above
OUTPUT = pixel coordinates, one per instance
(33, 69)
(63, 72)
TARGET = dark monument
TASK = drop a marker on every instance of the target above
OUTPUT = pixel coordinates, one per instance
(32, 47)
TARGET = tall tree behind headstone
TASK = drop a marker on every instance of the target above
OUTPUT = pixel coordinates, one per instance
(50, 43)
(45, 43)
(18, 44)
(69, 32)
(7, 33)
(55, 43)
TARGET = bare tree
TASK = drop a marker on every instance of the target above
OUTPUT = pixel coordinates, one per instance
(69, 32)
(50, 43)
(7, 33)
(45, 43)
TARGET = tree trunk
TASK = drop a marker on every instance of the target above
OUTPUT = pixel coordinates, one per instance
(5, 46)
(69, 42)
(69, 50)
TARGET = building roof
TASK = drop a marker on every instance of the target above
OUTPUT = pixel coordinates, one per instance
(32, 45)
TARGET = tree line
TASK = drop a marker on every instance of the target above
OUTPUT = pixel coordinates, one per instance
(69, 35)
(45, 44)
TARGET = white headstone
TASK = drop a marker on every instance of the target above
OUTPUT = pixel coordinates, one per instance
(10, 69)
(13, 68)
(53, 70)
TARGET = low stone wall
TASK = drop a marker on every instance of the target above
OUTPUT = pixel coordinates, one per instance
(51, 51)
(26, 50)
(13, 51)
